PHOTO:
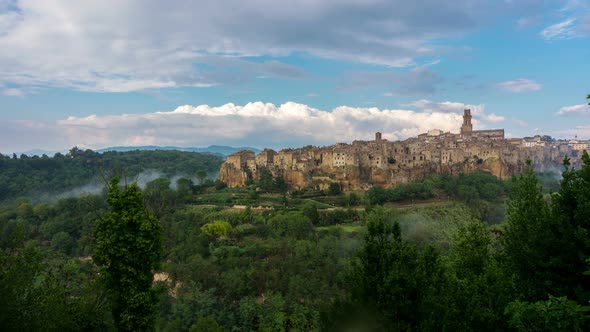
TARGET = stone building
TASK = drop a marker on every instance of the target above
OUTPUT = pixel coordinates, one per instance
(362, 164)
(239, 159)
(266, 157)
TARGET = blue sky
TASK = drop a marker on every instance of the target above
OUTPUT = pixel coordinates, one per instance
(287, 73)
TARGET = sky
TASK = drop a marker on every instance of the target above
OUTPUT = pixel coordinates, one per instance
(273, 73)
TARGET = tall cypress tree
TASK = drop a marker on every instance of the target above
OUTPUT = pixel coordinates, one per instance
(128, 249)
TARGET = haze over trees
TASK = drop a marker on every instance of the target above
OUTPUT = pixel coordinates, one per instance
(49, 176)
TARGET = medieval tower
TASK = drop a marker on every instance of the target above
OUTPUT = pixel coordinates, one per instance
(467, 127)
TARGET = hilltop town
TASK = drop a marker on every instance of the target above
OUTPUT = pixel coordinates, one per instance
(363, 164)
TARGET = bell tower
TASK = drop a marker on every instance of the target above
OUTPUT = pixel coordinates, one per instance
(466, 128)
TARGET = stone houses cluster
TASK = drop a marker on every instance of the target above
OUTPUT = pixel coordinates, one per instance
(379, 161)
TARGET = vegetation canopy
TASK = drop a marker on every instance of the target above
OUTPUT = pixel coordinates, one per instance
(128, 249)
(464, 253)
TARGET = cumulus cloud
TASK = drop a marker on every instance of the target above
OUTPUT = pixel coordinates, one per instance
(255, 124)
(519, 85)
(108, 45)
(575, 110)
(259, 124)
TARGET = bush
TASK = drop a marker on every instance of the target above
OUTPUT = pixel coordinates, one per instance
(292, 224)
(334, 189)
(217, 229)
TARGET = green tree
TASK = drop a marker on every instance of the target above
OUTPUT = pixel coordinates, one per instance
(41, 291)
(128, 249)
(273, 316)
(471, 250)
(401, 286)
(158, 196)
(202, 175)
(219, 185)
(280, 185)
(266, 181)
(555, 314)
(481, 290)
(184, 186)
(334, 189)
(292, 224)
(527, 236)
(377, 195)
(217, 229)
(570, 230)
(310, 210)
(206, 324)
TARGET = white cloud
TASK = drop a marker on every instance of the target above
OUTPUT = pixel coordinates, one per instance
(562, 30)
(519, 85)
(255, 124)
(575, 110)
(576, 22)
(494, 118)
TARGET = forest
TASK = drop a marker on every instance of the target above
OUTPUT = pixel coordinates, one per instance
(184, 253)
(40, 177)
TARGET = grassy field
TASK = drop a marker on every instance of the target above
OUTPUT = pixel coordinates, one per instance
(351, 228)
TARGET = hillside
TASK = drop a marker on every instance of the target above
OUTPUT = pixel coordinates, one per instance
(36, 176)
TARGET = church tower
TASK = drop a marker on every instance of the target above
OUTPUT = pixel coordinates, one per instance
(466, 128)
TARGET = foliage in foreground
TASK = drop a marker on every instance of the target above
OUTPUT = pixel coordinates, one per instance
(423, 268)
(128, 249)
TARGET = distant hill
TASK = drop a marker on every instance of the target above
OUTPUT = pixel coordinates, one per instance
(216, 149)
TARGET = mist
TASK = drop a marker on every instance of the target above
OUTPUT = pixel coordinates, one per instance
(96, 185)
